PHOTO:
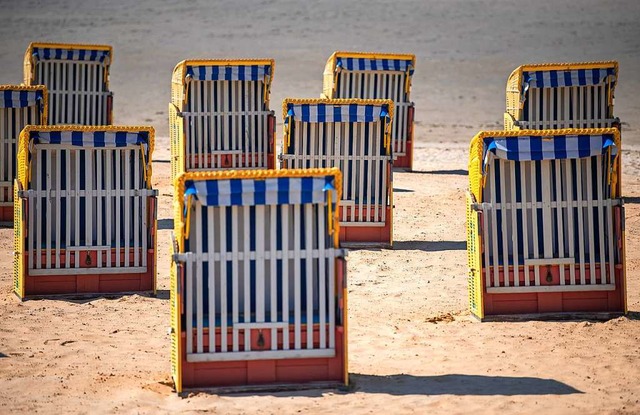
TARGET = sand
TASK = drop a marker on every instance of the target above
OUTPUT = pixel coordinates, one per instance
(413, 348)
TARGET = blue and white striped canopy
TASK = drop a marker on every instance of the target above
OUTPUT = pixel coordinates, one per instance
(19, 98)
(337, 112)
(528, 148)
(250, 192)
(579, 77)
(107, 139)
(228, 73)
(40, 53)
(367, 64)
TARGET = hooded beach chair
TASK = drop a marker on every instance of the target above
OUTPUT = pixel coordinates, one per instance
(546, 223)
(561, 95)
(355, 136)
(77, 78)
(19, 106)
(219, 115)
(377, 76)
(85, 212)
(258, 286)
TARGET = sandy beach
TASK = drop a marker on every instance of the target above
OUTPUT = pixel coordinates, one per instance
(413, 347)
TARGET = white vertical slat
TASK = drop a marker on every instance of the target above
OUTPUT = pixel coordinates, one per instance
(332, 301)
(88, 186)
(99, 219)
(570, 219)
(371, 179)
(48, 187)
(260, 290)
(589, 120)
(190, 155)
(189, 309)
(284, 213)
(223, 279)
(199, 292)
(378, 171)
(360, 160)
(596, 107)
(534, 217)
(118, 219)
(601, 230)
(505, 241)
(235, 271)
(297, 308)
(581, 249)
(136, 207)
(109, 210)
(525, 222)
(58, 213)
(514, 224)
(322, 276)
(309, 222)
(559, 216)
(590, 221)
(247, 275)
(273, 275)
(76, 240)
(211, 251)
(127, 206)
(68, 201)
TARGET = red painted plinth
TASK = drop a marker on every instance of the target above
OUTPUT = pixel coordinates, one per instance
(264, 372)
(93, 283)
(376, 235)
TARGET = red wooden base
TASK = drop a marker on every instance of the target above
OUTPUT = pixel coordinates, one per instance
(265, 372)
(405, 162)
(98, 283)
(6, 213)
(243, 161)
(558, 302)
(375, 235)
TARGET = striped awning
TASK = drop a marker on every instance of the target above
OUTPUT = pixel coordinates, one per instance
(535, 148)
(107, 139)
(368, 64)
(228, 73)
(578, 77)
(250, 192)
(40, 53)
(19, 98)
(336, 112)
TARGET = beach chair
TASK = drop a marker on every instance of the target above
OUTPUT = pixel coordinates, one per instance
(219, 115)
(77, 78)
(561, 95)
(85, 212)
(355, 136)
(377, 76)
(258, 285)
(19, 106)
(546, 223)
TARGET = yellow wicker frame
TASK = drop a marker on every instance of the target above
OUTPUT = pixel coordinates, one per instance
(513, 111)
(29, 67)
(329, 74)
